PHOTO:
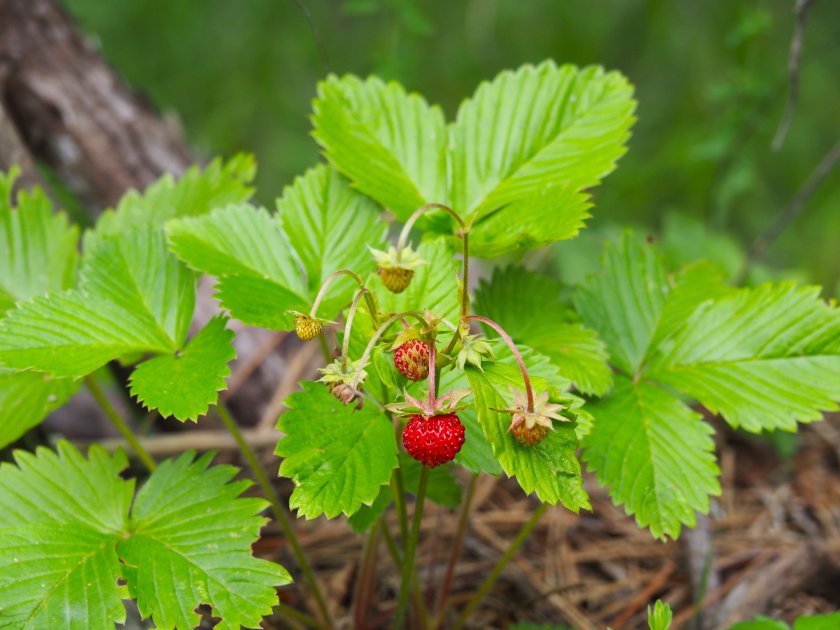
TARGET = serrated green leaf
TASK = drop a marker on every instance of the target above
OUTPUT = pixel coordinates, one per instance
(655, 454)
(476, 455)
(528, 306)
(26, 398)
(133, 298)
(390, 144)
(624, 302)
(187, 541)
(442, 487)
(818, 622)
(245, 247)
(190, 543)
(367, 515)
(764, 358)
(195, 193)
(330, 226)
(760, 623)
(185, 384)
(60, 532)
(337, 456)
(38, 247)
(549, 468)
(659, 618)
(533, 128)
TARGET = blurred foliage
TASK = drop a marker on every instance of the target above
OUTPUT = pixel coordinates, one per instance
(711, 81)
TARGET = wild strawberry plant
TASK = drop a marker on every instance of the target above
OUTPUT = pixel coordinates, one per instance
(516, 378)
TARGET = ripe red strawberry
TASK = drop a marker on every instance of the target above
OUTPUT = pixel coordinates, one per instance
(433, 440)
(412, 359)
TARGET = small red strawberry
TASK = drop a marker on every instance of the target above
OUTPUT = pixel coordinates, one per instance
(433, 440)
(412, 359)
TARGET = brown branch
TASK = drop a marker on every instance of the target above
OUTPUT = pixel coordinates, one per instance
(793, 73)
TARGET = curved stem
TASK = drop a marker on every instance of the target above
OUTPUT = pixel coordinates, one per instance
(463, 520)
(323, 290)
(277, 508)
(528, 389)
(465, 278)
(378, 334)
(490, 580)
(348, 326)
(361, 603)
(142, 454)
(419, 213)
(410, 550)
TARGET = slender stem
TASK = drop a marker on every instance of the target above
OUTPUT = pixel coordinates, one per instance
(432, 375)
(323, 290)
(463, 520)
(410, 550)
(419, 604)
(398, 492)
(490, 580)
(465, 279)
(392, 545)
(297, 615)
(528, 390)
(419, 213)
(142, 454)
(277, 508)
(362, 596)
(348, 326)
(378, 334)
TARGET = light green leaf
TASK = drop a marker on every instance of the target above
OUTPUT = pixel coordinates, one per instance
(195, 193)
(390, 144)
(337, 456)
(686, 239)
(533, 128)
(133, 298)
(764, 358)
(37, 247)
(187, 541)
(528, 306)
(659, 618)
(26, 398)
(185, 384)
(330, 226)
(624, 302)
(655, 454)
(476, 455)
(190, 543)
(760, 623)
(818, 622)
(245, 247)
(549, 468)
(60, 532)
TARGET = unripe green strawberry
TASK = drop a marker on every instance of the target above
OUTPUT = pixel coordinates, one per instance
(529, 437)
(396, 279)
(307, 327)
(411, 358)
(433, 440)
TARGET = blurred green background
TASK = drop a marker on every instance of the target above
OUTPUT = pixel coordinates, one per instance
(711, 82)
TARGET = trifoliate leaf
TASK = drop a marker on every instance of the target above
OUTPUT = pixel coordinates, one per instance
(186, 383)
(134, 298)
(337, 456)
(60, 532)
(390, 144)
(195, 193)
(531, 129)
(26, 398)
(190, 543)
(330, 226)
(624, 302)
(528, 306)
(764, 358)
(259, 279)
(37, 247)
(187, 541)
(549, 468)
(655, 454)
